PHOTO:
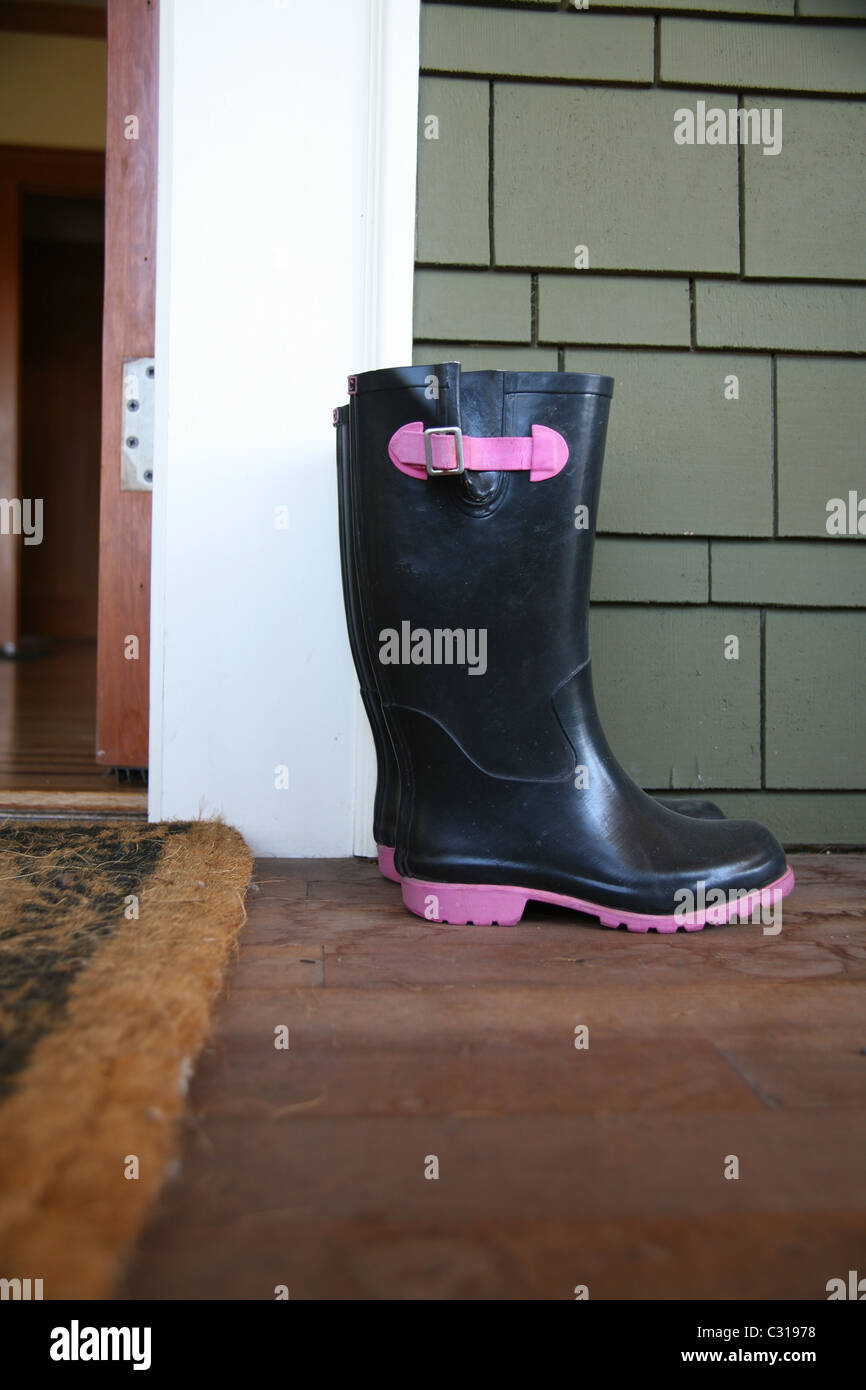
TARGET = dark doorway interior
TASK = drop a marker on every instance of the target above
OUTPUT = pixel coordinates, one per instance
(48, 693)
(61, 349)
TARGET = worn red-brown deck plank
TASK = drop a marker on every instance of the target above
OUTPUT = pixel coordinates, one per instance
(558, 1166)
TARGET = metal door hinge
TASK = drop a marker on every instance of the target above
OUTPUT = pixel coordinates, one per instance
(136, 439)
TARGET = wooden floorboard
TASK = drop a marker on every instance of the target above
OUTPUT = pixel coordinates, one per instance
(48, 738)
(94, 803)
(557, 1166)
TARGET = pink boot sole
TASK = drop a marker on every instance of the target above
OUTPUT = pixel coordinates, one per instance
(386, 863)
(483, 905)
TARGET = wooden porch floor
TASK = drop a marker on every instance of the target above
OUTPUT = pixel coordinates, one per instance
(558, 1167)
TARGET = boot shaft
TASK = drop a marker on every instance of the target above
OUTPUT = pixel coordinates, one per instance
(474, 589)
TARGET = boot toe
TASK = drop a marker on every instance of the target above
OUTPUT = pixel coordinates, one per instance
(760, 859)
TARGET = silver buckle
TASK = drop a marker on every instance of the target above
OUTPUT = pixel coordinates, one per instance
(428, 451)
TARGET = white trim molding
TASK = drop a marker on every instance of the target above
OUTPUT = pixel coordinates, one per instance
(389, 257)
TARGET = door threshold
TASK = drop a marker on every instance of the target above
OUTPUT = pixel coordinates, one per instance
(43, 803)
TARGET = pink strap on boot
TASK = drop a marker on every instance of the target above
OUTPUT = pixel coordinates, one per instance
(432, 453)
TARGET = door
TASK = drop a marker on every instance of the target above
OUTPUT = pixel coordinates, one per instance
(123, 648)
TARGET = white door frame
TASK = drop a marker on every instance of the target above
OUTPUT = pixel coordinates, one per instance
(224, 61)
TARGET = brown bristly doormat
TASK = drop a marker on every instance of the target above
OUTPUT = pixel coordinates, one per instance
(113, 944)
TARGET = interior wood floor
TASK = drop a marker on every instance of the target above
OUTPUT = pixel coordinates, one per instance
(558, 1166)
(48, 737)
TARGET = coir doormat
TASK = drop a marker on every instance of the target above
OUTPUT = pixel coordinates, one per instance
(113, 944)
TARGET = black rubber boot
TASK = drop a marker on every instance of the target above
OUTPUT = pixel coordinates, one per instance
(387, 797)
(508, 789)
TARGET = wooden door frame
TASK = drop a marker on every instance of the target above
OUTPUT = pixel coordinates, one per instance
(77, 21)
(52, 172)
(128, 332)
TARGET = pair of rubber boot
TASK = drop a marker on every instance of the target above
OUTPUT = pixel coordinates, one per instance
(468, 505)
